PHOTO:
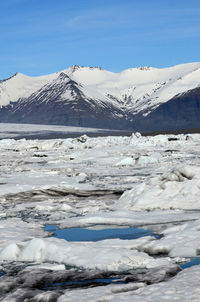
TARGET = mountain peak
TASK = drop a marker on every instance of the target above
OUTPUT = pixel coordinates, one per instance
(145, 68)
(63, 76)
(9, 78)
(75, 67)
(78, 67)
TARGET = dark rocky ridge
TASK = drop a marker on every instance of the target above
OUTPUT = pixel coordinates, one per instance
(180, 113)
(47, 106)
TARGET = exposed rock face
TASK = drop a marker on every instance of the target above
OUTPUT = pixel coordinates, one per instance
(49, 105)
(181, 112)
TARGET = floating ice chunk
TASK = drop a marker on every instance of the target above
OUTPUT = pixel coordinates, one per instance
(6, 142)
(178, 241)
(179, 174)
(144, 160)
(136, 135)
(179, 189)
(126, 162)
(44, 208)
(75, 155)
(65, 207)
(46, 297)
(47, 266)
(14, 230)
(33, 251)
(88, 255)
(128, 218)
(82, 139)
(81, 177)
(10, 252)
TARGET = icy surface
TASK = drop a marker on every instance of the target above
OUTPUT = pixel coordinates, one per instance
(177, 189)
(98, 255)
(183, 287)
(28, 130)
(101, 182)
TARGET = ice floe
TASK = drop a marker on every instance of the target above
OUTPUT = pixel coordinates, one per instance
(87, 255)
(150, 182)
(178, 189)
(183, 287)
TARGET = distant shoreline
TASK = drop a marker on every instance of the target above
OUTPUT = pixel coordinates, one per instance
(64, 135)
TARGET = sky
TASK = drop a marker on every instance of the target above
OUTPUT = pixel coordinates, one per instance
(44, 36)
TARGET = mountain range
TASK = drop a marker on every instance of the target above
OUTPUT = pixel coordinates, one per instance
(137, 99)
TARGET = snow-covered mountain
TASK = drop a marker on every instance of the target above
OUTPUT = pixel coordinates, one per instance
(143, 98)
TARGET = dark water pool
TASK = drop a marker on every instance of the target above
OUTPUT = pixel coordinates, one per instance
(83, 234)
(85, 283)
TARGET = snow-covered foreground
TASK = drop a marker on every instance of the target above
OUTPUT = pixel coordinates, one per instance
(184, 287)
(99, 183)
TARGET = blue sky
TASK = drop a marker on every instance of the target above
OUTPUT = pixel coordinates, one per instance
(44, 36)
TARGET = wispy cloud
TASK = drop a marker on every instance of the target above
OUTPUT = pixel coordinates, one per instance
(156, 24)
(129, 17)
(97, 31)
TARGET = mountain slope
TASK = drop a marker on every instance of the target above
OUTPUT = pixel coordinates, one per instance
(182, 112)
(135, 98)
(63, 102)
(20, 85)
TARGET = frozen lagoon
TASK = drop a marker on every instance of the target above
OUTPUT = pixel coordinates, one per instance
(79, 183)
